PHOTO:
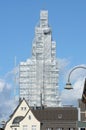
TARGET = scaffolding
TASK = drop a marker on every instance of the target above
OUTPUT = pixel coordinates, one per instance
(39, 75)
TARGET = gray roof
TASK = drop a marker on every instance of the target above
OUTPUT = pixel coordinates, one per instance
(20, 101)
(58, 114)
(17, 119)
(62, 114)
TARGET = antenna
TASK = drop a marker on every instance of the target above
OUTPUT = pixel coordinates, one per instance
(44, 6)
(14, 78)
(41, 99)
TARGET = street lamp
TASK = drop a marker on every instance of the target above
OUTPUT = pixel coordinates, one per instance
(69, 87)
(68, 84)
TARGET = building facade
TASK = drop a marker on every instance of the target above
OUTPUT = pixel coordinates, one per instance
(39, 74)
(82, 109)
(25, 118)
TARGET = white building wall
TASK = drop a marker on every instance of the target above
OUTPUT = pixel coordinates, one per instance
(18, 112)
(30, 121)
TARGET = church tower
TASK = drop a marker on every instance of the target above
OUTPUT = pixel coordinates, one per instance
(39, 74)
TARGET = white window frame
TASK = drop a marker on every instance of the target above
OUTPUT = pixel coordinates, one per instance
(59, 129)
(49, 128)
(15, 128)
(33, 127)
(71, 128)
(25, 127)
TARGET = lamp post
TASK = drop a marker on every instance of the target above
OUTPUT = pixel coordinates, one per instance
(80, 123)
(68, 84)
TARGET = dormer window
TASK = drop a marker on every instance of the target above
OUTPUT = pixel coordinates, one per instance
(59, 116)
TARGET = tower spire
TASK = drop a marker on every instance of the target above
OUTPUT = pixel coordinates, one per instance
(43, 18)
(39, 75)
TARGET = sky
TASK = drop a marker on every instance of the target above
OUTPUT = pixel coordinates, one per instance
(18, 19)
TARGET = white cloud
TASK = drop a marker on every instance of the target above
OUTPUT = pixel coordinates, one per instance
(7, 101)
(63, 68)
(8, 86)
(13, 75)
(63, 63)
(77, 72)
(11, 104)
(2, 84)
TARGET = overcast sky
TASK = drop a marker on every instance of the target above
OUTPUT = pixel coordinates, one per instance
(18, 19)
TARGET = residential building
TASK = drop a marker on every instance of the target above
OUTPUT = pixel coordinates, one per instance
(18, 114)
(25, 118)
(82, 107)
(82, 114)
(39, 74)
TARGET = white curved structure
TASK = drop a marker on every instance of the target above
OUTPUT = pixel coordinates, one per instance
(39, 75)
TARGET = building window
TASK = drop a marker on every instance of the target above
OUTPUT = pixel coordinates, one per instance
(15, 128)
(33, 127)
(29, 117)
(23, 108)
(59, 129)
(71, 128)
(25, 127)
(59, 116)
(49, 128)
